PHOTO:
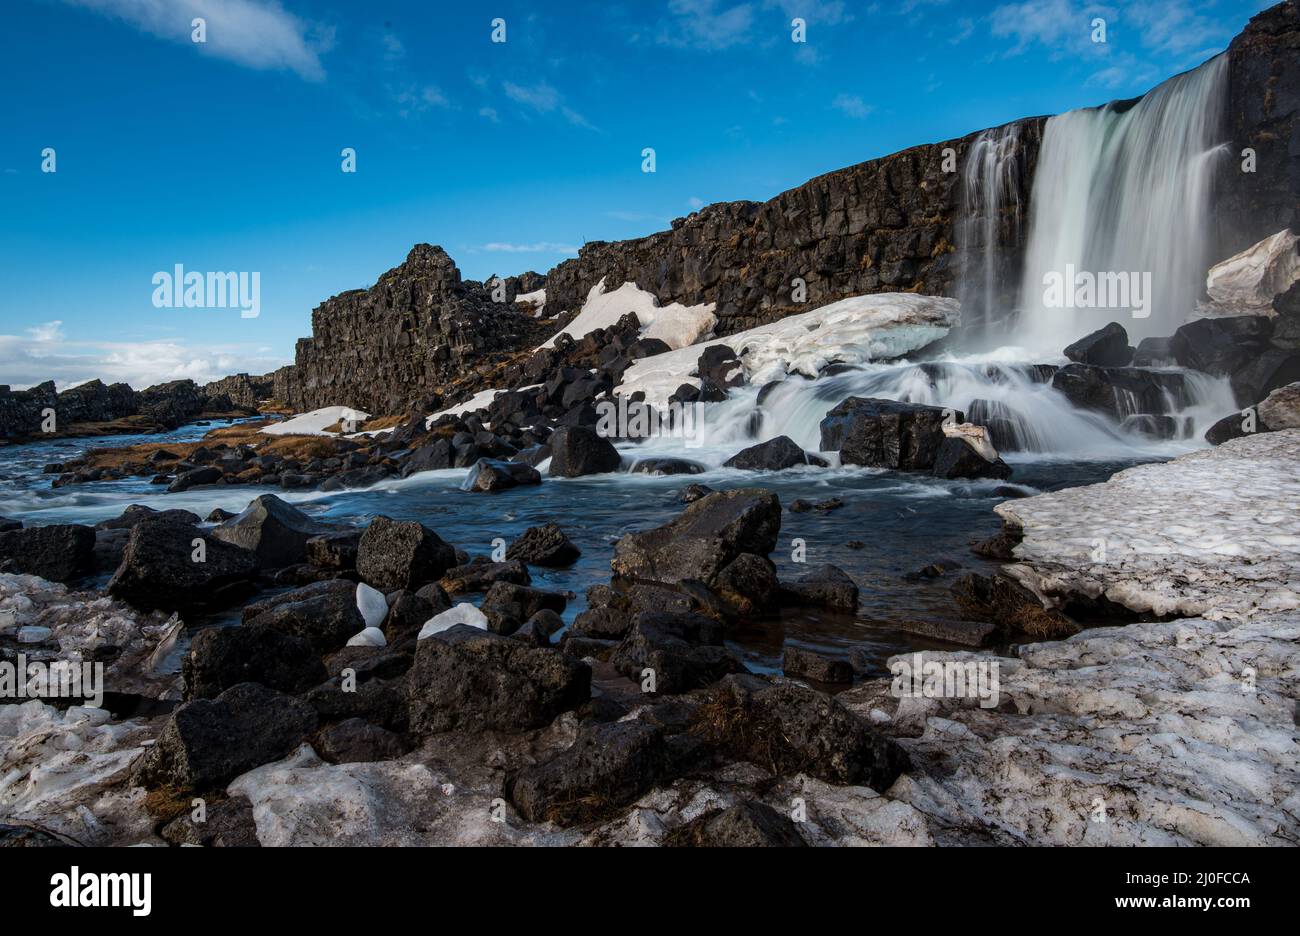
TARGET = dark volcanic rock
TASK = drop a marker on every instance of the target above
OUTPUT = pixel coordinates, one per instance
(774, 455)
(683, 650)
(194, 478)
(577, 450)
(466, 679)
(395, 554)
(957, 458)
(208, 742)
(222, 657)
(356, 741)
(58, 553)
(705, 538)
(1121, 391)
(788, 728)
(227, 823)
(825, 586)
(507, 606)
(480, 575)
(325, 618)
(491, 475)
(886, 434)
(748, 583)
(159, 567)
(806, 664)
(1010, 606)
(607, 767)
(750, 824)
(1106, 347)
(333, 550)
(667, 466)
(272, 529)
(137, 512)
(544, 545)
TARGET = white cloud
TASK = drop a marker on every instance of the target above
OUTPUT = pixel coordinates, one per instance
(852, 106)
(822, 12)
(490, 113)
(46, 354)
(414, 100)
(704, 24)
(541, 247)
(695, 202)
(258, 34)
(543, 98)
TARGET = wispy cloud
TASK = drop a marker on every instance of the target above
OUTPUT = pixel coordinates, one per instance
(706, 24)
(543, 98)
(259, 34)
(852, 106)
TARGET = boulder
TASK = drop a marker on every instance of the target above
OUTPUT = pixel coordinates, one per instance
(333, 550)
(805, 664)
(1106, 347)
(194, 478)
(436, 456)
(466, 679)
(721, 366)
(407, 613)
(480, 575)
(774, 455)
(544, 545)
(749, 824)
(272, 529)
(1220, 346)
(578, 450)
(1121, 391)
(160, 569)
(137, 512)
(326, 619)
(62, 552)
(960, 457)
(607, 767)
(706, 537)
(397, 554)
(1010, 606)
(1281, 409)
(748, 583)
(356, 741)
(666, 466)
(683, 650)
(789, 728)
(222, 657)
(826, 586)
(886, 434)
(507, 605)
(489, 475)
(208, 742)
(1249, 280)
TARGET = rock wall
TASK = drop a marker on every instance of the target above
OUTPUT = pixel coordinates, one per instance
(242, 389)
(889, 224)
(386, 347)
(162, 406)
(1263, 115)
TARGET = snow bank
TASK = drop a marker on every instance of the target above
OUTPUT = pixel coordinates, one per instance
(677, 325)
(854, 330)
(1215, 533)
(314, 423)
(536, 299)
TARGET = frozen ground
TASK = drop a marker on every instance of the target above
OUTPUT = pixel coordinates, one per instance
(677, 325)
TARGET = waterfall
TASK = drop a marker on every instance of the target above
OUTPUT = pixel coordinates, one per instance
(990, 198)
(1026, 416)
(1126, 189)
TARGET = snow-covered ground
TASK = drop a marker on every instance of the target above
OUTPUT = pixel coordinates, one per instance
(1213, 533)
(854, 330)
(315, 422)
(536, 299)
(677, 325)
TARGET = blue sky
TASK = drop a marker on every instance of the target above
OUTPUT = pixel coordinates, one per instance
(225, 155)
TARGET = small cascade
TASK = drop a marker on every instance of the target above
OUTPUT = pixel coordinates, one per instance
(988, 231)
(1125, 191)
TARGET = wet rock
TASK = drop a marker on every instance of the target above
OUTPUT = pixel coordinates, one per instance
(1010, 606)
(312, 590)
(222, 657)
(326, 619)
(394, 554)
(957, 458)
(8, 525)
(436, 456)
(1121, 391)
(208, 742)
(407, 613)
(507, 606)
(356, 741)
(721, 366)
(333, 550)
(703, 539)
(489, 475)
(683, 650)
(749, 824)
(607, 767)
(137, 512)
(437, 598)
(826, 586)
(582, 648)
(218, 515)
(1156, 427)
(1154, 352)
(272, 529)
(1106, 347)
(481, 575)
(788, 728)
(1000, 546)
(577, 450)
(544, 545)
(965, 633)
(539, 628)
(602, 624)
(805, 664)
(693, 492)
(885, 434)
(194, 478)
(748, 583)
(667, 466)
(466, 679)
(800, 505)
(159, 568)
(61, 552)
(774, 455)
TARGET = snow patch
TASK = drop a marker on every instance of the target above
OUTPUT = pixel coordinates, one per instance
(460, 614)
(676, 325)
(372, 604)
(314, 423)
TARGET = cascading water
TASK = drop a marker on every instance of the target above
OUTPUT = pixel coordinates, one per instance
(1126, 190)
(990, 199)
